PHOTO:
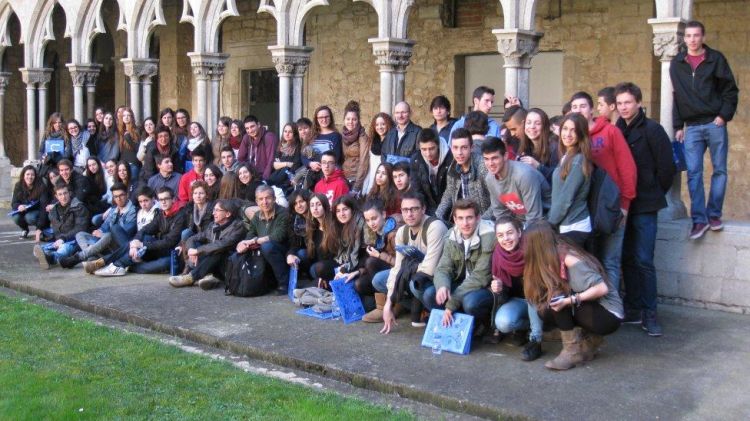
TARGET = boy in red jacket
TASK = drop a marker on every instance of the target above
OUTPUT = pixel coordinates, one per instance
(333, 184)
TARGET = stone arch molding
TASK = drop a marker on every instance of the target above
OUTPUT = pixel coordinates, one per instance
(393, 17)
(682, 9)
(36, 29)
(290, 18)
(519, 14)
(139, 19)
(87, 24)
(6, 11)
(206, 17)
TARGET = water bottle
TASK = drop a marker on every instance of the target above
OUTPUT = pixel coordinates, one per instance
(174, 263)
(437, 341)
(335, 309)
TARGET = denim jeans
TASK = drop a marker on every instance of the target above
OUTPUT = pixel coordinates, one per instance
(426, 294)
(638, 268)
(65, 250)
(24, 219)
(518, 314)
(380, 281)
(186, 233)
(697, 139)
(275, 255)
(608, 249)
(92, 246)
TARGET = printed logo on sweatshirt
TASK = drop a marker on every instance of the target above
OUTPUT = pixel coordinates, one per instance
(597, 143)
(513, 203)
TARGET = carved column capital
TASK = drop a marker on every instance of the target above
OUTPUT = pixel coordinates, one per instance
(39, 77)
(136, 69)
(84, 74)
(290, 60)
(668, 33)
(517, 46)
(208, 65)
(392, 53)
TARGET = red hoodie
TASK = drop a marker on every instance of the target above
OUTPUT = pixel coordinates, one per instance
(333, 187)
(611, 152)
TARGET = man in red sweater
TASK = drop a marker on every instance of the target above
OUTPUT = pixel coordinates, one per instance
(199, 165)
(333, 184)
(611, 153)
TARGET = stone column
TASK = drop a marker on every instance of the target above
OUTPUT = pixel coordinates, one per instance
(29, 79)
(291, 63)
(518, 47)
(79, 81)
(392, 57)
(208, 69)
(668, 34)
(92, 76)
(148, 73)
(45, 76)
(136, 69)
(4, 79)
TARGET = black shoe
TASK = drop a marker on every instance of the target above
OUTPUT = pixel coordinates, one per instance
(632, 317)
(24, 235)
(531, 351)
(493, 339)
(650, 324)
(70, 261)
(416, 313)
(282, 290)
(519, 337)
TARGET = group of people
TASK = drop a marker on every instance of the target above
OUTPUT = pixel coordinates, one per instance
(497, 219)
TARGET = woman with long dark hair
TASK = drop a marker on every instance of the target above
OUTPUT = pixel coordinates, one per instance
(538, 146)
(196, 139)
(249, 180)
(385, 189)
(107, 141)
(348, 225)
(325, 135)
(130, 140)
(29, 201)
(379, 127)
(320, 241)
(287, 158)
(569, 288)
(355, 146)
(212, 176)
(148, 137)
(571, 181)
(299, 207)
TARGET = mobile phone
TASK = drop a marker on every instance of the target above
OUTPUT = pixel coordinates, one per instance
(557, 298)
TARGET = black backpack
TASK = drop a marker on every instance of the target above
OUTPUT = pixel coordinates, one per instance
(247, 275)
(604, 203)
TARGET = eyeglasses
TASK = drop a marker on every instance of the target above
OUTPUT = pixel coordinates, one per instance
(117, 196)
(73, 128)
(165, 199)
(414, 209)
(328, 163)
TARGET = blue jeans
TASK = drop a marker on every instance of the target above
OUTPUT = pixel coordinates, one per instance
(380, 281)
(65, 250)
(24, 219)
(638, 268)
(426, 295)
(697, 139)
(186, 233)
(608, 249)
(518, 314)
(93, 246)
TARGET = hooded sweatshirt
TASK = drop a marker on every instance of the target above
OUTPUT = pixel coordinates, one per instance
(333, 186)
(422, 169)
(610, 152)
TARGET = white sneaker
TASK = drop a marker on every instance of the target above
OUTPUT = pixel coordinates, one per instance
(111, 270)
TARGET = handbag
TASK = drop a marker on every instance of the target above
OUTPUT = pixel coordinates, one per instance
(678, 156)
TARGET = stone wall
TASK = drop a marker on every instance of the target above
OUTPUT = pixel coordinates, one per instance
(176, 82)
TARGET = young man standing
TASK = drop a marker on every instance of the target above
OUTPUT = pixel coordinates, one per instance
(483, 99)
(465, 177)
(187, 179)
(333, 184)
(401, 140)
(705, 100)
(440, 107)
(429, 243)
(430, 167)
(514, 188)
(166, 177)
(257, 147)
(68, 217)
(605, 104)
(653, 156)
(463, 272)
(611, 153)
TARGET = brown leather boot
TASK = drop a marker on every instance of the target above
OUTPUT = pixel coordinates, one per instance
(376, 316)
(590, 345)
(571, 353)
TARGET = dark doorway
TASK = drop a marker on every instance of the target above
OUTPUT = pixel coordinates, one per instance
(260, 96)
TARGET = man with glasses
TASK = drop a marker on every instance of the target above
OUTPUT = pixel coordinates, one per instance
(79, 142)
(333, 184)
(400, 142)
(115, 232)
(67, 218)
(207, 251)
(268, 231)
(419, 245)
(149, 251)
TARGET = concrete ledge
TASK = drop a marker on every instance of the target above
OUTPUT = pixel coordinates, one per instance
(712, 272)
(356, 379)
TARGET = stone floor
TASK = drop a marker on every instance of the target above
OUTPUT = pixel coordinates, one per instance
(698, 370)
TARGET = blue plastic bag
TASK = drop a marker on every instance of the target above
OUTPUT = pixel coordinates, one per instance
(293, 272)
(455, 338)
(348, 301)
(678, 155)
(310, 312)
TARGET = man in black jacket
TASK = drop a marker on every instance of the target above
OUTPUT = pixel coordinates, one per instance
(208, 250)
(430, 167)
(79, 186)
(705, 99)
(401, 141)
(150, 250)
(68, 217)
(652, 153)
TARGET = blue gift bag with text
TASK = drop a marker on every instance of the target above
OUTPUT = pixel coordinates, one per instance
(455, 338)
(348, 301)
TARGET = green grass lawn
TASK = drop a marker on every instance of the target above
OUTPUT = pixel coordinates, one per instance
(53, 366)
